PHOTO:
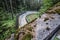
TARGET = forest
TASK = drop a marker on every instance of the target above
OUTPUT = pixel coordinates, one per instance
(9, 9)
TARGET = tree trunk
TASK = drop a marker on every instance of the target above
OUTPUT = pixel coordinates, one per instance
(6, 5)
(11, 9)
(3, 5)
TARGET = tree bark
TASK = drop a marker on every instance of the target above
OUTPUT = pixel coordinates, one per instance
(11, 9)
(6, 4)
(3, 5)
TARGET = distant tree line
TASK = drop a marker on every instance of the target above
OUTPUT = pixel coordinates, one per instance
(15, 6)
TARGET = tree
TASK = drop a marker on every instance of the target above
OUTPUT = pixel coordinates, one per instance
(11, 8)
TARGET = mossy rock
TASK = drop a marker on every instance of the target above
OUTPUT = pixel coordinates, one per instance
(27, 36)
(58, 11)
(30, 28)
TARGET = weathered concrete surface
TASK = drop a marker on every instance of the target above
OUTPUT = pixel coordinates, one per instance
(46, 25)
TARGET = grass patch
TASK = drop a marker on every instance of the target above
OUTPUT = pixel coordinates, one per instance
(31, 17)
(6, 29)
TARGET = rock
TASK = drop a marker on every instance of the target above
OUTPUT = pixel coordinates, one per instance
(22, 18)
(11, 38)
(45, 28)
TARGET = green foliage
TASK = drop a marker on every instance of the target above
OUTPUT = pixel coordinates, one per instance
(7, 26)
(46, 5)
(4, 15)
(56, 38)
